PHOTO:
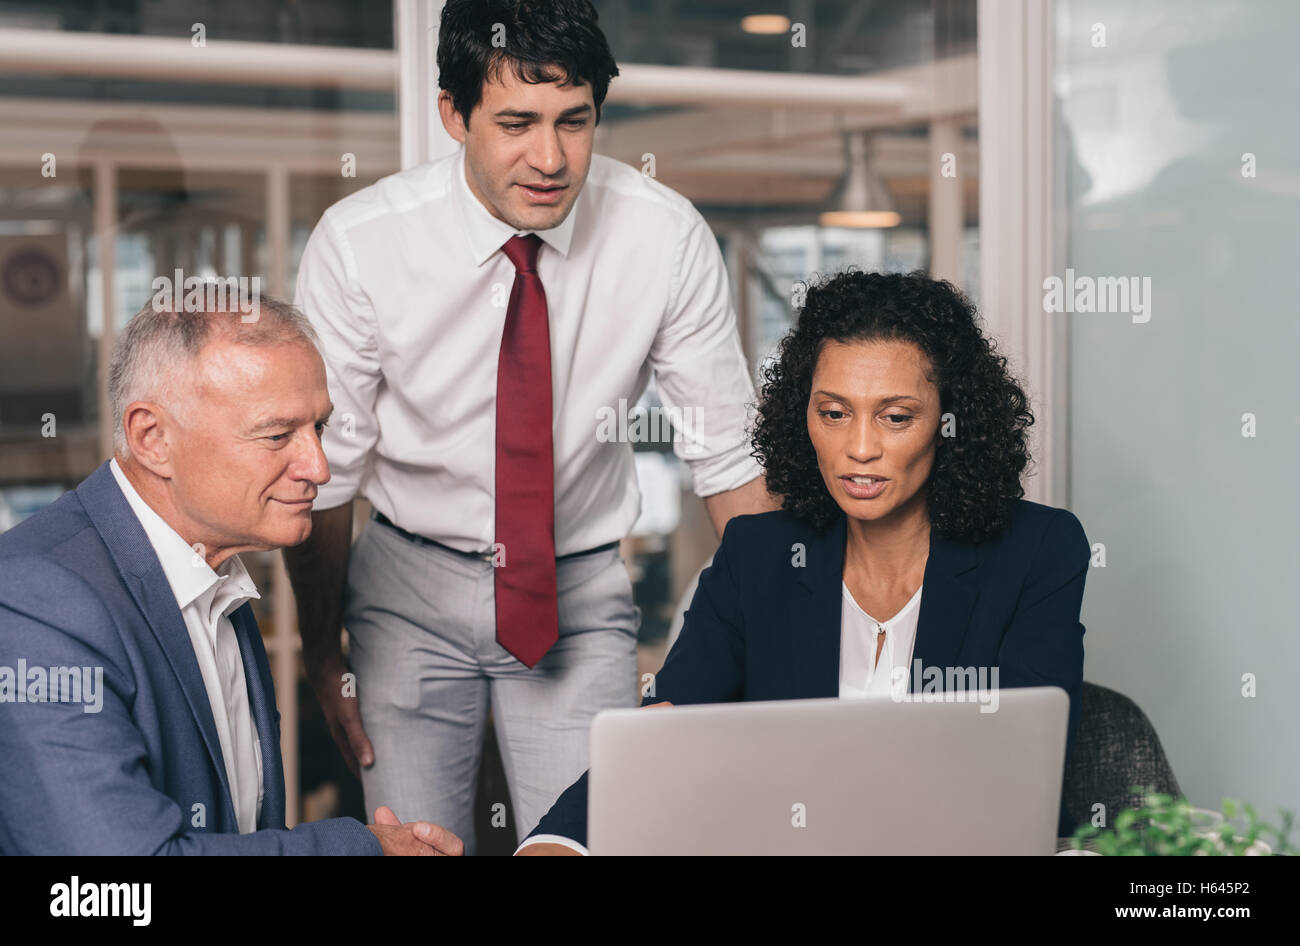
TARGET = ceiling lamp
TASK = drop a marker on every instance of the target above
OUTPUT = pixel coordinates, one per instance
(765, 24)
(861, 198)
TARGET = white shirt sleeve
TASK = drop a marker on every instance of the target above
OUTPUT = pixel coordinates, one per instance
(329, 295)
(700, 368)
(553, 839)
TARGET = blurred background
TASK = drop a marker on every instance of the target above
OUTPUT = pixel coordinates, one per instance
(992, 143)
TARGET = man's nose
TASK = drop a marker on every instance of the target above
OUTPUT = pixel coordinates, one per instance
(546, 155)
(311, 464)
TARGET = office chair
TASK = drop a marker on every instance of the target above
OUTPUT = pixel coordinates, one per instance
(1115, 748)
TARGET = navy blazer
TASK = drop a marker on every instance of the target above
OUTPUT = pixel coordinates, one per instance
(81, 586)
(760, 627)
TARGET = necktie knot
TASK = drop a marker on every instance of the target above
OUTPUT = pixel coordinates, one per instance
(522, 251)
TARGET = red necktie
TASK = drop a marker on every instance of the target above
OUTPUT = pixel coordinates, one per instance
(527, 612)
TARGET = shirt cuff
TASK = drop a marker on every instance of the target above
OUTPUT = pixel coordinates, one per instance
(553, 839)
(725, 472)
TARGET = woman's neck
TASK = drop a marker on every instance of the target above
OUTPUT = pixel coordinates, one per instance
(891, 551)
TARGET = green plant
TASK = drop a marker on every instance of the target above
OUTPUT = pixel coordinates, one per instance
(1166, 825)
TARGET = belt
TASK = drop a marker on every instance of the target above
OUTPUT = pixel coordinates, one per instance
(383, 520)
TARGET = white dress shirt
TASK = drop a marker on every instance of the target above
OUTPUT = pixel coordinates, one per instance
(860, 676)
(405, 283)
(206, 600)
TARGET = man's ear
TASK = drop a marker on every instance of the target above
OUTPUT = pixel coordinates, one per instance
(452, 120)
(146, 427)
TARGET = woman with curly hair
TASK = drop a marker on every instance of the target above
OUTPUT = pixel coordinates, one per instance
(897, 438)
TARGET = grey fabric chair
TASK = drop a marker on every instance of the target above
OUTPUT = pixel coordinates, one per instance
(1116, 747)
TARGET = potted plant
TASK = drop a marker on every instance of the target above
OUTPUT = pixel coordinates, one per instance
(1169, 826)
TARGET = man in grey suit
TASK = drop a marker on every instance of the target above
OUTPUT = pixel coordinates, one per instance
(137, 714)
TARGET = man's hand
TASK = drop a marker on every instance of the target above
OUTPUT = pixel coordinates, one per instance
(342, 713)
(417, 838)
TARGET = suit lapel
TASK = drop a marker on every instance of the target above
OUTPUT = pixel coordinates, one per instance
(947, 597)
(144, 578)
(814, 613)
(816, 602)
(261, 701)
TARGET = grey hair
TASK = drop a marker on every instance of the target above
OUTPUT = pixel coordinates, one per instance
(158, 343)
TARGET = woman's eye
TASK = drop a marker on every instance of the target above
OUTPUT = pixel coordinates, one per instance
(832, 415)
(899, 418)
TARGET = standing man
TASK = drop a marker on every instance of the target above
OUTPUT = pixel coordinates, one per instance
(479, 314)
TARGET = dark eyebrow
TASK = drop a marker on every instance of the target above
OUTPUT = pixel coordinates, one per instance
(891, 399)
(533, 116)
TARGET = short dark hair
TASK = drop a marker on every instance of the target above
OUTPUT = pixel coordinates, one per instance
(975, 482)
(540, 36)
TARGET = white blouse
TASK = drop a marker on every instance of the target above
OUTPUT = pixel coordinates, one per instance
(860, 676)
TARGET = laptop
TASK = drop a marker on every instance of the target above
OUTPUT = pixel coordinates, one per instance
(829, 776)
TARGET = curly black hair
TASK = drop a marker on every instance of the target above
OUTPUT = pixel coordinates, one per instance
(975, 481)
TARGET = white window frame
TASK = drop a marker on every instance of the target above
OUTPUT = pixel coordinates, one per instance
(1020, 236)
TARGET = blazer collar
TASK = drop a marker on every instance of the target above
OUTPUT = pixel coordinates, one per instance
(131, 550)
(948, 596)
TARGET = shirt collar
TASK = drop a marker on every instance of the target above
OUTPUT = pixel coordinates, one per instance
(487, 234)
(232, 588)
(188, 574)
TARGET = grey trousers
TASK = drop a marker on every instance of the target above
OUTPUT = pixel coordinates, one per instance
(421, 622)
